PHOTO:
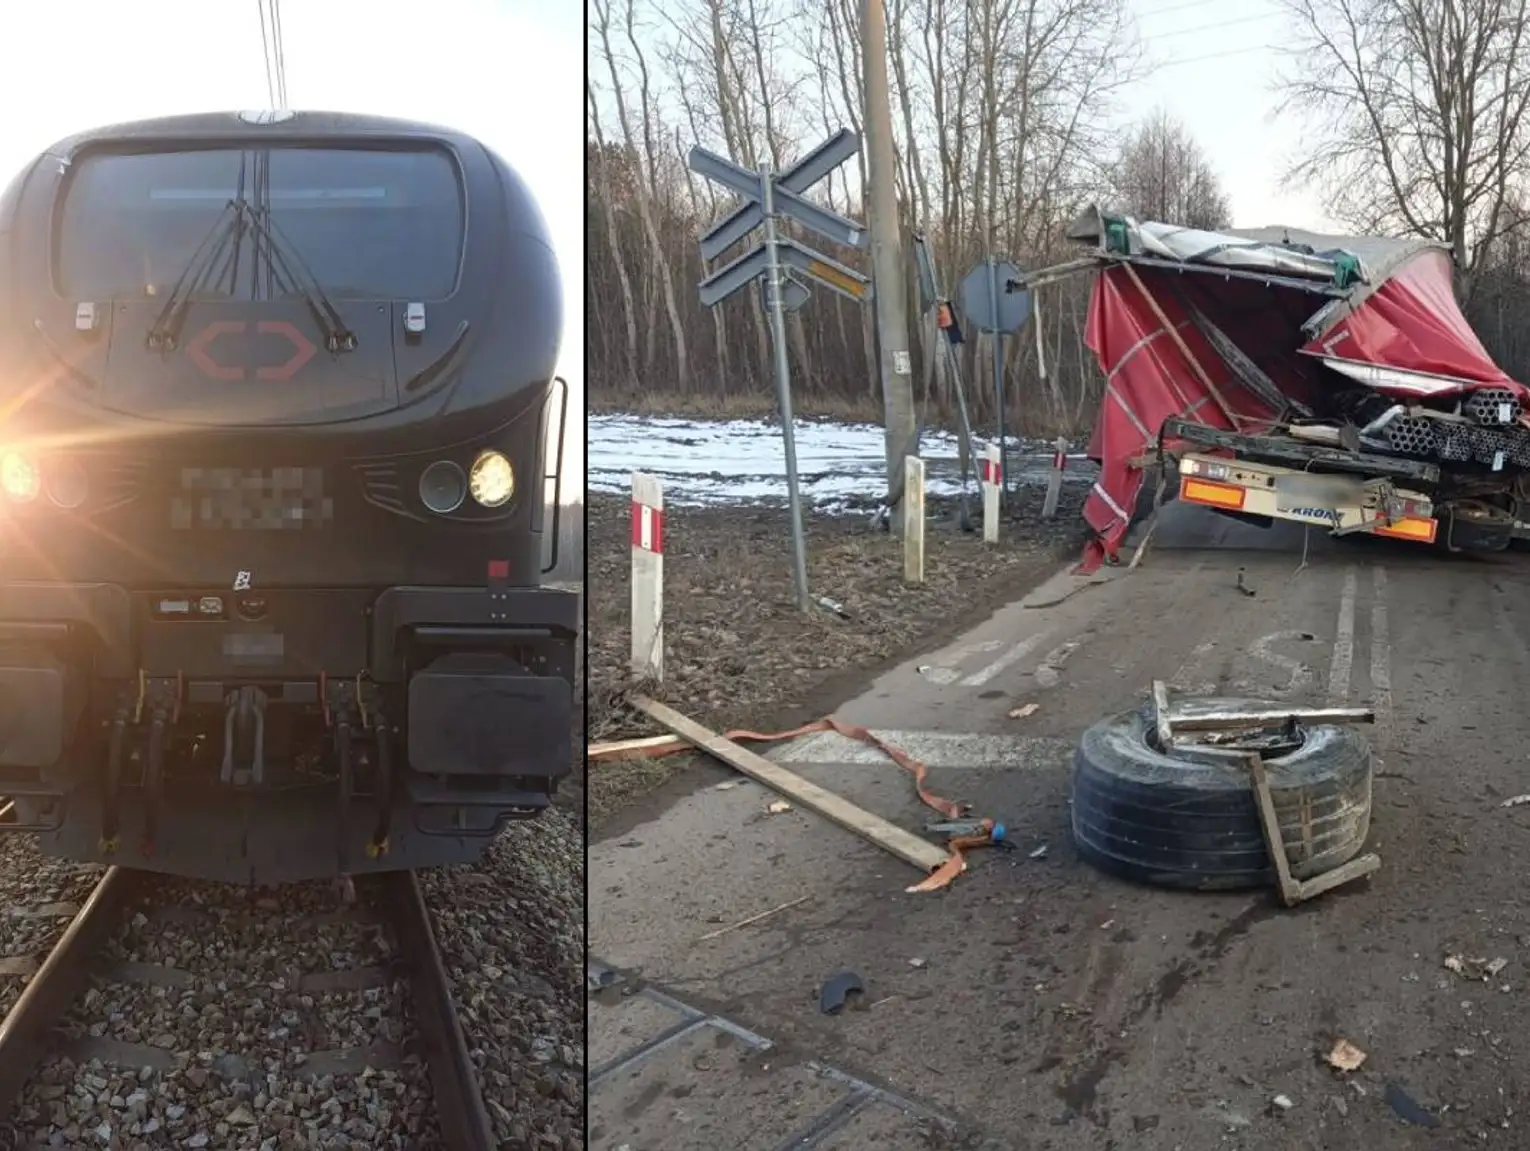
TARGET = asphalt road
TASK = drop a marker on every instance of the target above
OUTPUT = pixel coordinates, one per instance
(1040, 1004)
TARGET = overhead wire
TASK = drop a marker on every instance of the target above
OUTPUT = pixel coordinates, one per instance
(281, 54)
(274, 50)
(265, 49)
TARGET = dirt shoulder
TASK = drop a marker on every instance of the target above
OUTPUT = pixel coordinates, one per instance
(739, 654)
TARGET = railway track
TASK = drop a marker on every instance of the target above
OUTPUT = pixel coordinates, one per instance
(142, 948)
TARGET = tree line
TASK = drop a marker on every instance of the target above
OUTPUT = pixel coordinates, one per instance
(1005, 115)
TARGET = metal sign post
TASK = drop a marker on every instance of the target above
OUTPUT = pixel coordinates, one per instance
(774, 297)
(998, 313)
(777, 263)
(949, 333)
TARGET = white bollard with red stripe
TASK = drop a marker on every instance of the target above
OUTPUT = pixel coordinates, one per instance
(1054, 481)
(647, 578)
(990, 481)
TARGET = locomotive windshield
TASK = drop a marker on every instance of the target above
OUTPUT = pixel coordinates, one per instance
(367, 223)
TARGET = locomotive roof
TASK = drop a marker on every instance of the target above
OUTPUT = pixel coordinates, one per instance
(246, 125)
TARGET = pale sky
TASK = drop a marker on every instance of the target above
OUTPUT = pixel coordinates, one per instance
(507, 71)
(1217, 76)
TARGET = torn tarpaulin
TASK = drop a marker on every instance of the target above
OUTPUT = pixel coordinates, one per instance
(1310, 314)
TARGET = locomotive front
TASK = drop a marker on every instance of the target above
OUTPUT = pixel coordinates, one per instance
(279, 413)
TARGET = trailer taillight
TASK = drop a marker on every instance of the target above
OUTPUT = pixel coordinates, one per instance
(1206, 468)
(1212, 494)
(1417, 528)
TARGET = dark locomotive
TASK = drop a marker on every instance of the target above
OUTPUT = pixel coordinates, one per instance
(280, 425)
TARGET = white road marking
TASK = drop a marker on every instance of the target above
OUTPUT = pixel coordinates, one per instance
(1049, 671)
(1191, 679)
(1013, 656)
(945, 672)
(1381, 655)
(1343, 643)
(935, 749)
(1297, 673)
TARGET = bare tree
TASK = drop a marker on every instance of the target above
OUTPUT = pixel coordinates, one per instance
(1001, 108)
(1162, 174)
(601, 11)
(1417, 114)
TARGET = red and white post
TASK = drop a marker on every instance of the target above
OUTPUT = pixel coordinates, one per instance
(1054, 481)
(647, 578)
(990, 482)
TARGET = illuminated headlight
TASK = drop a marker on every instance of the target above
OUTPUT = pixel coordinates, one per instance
(19, 477)
(491, 480)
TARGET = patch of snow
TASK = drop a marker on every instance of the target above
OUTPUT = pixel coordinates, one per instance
(704, 462)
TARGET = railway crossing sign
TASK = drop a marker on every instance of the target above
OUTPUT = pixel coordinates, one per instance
(780, 192)
(783, 267)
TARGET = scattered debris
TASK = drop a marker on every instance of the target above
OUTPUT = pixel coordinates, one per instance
(1463, 1053)
(1408, 1109)
(1480, 969)
(779, 807)
(729, 784)
(1025, 710)
(1516, 800)
(833, 606)
(753, 919)
(1283, 1102)
(1039, 853)
(1243, 587)
(837, 990)
(1345, 1056)
(917, 964)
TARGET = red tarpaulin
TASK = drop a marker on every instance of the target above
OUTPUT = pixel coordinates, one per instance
(1410, 323)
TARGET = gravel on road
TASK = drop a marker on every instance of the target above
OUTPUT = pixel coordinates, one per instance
(739, 653)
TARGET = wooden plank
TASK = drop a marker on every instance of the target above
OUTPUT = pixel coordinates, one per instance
(1269, 823)
(618, 747)
(889, 837)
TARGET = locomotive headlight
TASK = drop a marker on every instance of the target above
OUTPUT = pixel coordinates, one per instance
(442, 487)
(491, 480)
(19, 477)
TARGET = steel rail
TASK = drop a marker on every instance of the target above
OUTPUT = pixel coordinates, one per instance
(459, 1104)
(58, 982)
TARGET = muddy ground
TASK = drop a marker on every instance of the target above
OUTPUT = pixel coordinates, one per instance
(739, 654)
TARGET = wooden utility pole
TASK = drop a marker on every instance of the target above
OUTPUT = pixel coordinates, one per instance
(887, 268)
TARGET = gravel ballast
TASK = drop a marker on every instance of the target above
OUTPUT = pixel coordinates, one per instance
(242, 1038)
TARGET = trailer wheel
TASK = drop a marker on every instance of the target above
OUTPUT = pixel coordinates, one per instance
(1187, 822)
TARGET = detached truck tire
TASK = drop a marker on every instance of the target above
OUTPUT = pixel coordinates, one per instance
(1191, 822)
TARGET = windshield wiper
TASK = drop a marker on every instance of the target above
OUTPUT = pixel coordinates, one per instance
(281, 255)
(166, 329)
